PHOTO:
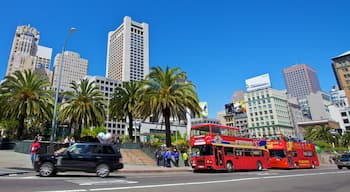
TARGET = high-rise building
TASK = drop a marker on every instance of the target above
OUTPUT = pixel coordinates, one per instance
(24, 48)
(301, 80)
(74, 69)
(42, 61)
(127, 51)
(341, 69)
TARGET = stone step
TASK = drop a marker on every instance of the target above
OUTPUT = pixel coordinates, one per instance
(136, 157)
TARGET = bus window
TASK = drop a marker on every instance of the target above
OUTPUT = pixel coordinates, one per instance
(238, 152)
(257, 153)
(216, 130)
(278, 153)
(295, 154)
(224, 132)
(308, 154)
(200, 131)
(247, 152)
(228, 151)
(202, 150)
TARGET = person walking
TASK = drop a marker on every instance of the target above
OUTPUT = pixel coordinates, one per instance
(34, 150)
(185, 158)
(176, 157)
(167, 156)
(159, 157)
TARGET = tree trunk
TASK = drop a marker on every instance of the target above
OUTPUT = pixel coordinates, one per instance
(20, 128)
(130, 129)
(166, 114)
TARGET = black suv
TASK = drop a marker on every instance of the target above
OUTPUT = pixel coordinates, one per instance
(343, 161)
(87, 157)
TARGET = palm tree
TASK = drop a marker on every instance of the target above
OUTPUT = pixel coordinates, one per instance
(345, 139)
(319, 133)
(167, 95)
(84, 106)
(25, 94)
(124, 102)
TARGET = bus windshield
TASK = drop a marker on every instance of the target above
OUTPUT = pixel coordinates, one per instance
(202, 150)
(278, 153)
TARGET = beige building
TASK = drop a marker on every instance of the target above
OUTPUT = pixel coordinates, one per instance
(24, 48)
(74, 69)
(127, 51)
(268, 113)
(341, 69)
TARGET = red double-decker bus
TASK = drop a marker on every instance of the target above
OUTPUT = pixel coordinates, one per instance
(288, 153)
(217, 147)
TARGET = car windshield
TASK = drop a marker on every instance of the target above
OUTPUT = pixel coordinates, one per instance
(202, 150)
(345, 156)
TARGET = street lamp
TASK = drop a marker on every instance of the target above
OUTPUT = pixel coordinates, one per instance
(54, 118)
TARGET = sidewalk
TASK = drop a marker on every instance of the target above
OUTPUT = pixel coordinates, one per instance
(18, 163)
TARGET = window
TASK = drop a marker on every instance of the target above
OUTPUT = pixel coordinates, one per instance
(228, 151)
(308, 154)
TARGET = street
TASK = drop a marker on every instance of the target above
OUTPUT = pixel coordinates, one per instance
(321, 179)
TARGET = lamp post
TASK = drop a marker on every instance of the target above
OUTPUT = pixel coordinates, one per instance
(58, 84)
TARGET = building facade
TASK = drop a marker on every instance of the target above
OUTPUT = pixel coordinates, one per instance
(268, 113)
(42, 61)
(127, 52)
(301, 80)
(74, 68)
(107, 87)
(341, 70)
(24, 49)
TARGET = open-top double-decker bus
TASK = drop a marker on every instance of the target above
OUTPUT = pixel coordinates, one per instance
(289, 153)
(217, 147)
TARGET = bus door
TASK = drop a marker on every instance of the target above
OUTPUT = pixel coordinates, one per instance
(238, 158)
(219, 157)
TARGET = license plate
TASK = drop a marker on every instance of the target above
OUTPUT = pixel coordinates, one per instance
(200, 166)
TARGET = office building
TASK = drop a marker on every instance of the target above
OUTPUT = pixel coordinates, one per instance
(268, 113)
(127, 51)
(24, 48)
(341, 70)
(107, 87)
(301, 80)
(74, 68)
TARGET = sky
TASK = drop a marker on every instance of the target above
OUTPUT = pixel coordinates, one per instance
(218, 43)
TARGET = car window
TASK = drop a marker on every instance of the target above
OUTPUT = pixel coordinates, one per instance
(94, 149)
(77, 149)
(108, 150)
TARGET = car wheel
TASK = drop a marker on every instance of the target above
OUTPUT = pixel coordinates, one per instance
(229, 167)
(259, 166)
(47, 169)
(340, 167)
(102, 170)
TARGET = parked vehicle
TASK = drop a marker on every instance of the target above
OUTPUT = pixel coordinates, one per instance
(88, 157)
(343, 161)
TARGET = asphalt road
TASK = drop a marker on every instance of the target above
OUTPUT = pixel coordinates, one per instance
(325, 179)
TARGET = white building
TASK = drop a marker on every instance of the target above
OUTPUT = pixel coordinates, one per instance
(74, 69)
(107, 86)
(318, 104)
(42, 61)
(127, 51)
(268, 113)
(24, 48)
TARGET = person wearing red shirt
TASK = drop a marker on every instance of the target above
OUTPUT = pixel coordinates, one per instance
(34, 149)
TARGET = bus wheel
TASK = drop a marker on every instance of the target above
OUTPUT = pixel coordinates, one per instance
(259, 166)
(229, 167)
(296, 165)
(313, 165)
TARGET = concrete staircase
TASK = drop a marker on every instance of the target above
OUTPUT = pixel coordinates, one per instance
(136, 157)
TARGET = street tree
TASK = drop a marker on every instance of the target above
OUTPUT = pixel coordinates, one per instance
(84, 106)
(25, 94)
(168, 94)
(125, 101)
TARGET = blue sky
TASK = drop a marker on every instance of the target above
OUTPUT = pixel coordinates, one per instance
(218, 43)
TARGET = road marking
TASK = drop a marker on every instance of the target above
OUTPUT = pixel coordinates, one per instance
(102, 182)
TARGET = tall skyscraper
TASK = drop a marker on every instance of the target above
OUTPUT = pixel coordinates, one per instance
(24, 48)
(301, 80)
(42, 61)
(127, 51)
(74, 69)
(341, 69)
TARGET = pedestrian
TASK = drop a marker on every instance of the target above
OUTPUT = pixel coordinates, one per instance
(185, 158)
(176, 157)
(72, 141)
(66, 142)
(34, 150)
(158, 155)
(168, 157)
